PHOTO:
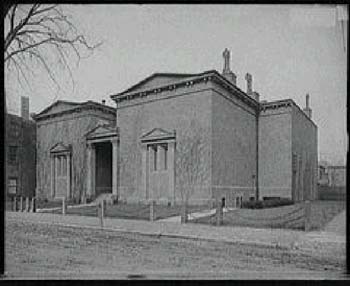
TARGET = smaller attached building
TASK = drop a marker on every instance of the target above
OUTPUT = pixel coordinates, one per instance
(70, 137)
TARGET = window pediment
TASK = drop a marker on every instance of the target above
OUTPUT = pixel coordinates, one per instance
(104, 130)
(158, 134)
(60, 148)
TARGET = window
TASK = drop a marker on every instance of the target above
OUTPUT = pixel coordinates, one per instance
(164, 159)
(13, 154)
(12, 186)
(158, 155)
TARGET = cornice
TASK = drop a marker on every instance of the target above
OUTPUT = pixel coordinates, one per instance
(78, 109)
(212, 76)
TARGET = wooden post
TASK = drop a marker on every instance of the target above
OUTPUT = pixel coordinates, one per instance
(307, 207)
(64, 206)
(151, 211)
(219, 212)
(100, 212)
(14, 206)
(32, 205)
(21, 204)
(27, 204)
(184, 216)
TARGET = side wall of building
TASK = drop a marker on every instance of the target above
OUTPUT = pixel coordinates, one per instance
(304, 148)
(68, 129)
(275, 153)
(233, 147)
(185, 110)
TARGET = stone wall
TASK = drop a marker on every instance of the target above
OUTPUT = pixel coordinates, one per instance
(275, 153)
(180, 110)
(233, 147)
(68, 129)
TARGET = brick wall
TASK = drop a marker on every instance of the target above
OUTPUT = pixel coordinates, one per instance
(233, 146)
(304, 146)
(275, 153)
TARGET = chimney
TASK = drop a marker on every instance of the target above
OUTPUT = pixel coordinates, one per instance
(227, 73)
(103, 101)
(256, 96)
(25, 107)
(249, 79)
(307, 109)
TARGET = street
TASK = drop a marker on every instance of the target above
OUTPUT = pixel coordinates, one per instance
(36, 250)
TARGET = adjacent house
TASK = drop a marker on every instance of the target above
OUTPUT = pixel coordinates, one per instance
(175, 137)
(20, 153)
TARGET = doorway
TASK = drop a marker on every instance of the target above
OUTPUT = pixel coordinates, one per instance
(103, 165)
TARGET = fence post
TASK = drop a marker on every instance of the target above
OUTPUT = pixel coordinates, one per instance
(21, 203)
(32, 205)
(27, 204)
(184, 217)
(64, 206)
(100, 211)
(219, 212)
(151, 210)
(307, 214)
(14, 206)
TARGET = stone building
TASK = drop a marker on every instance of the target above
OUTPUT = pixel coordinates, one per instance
(65, 160)
(175, 137)
(20, 153)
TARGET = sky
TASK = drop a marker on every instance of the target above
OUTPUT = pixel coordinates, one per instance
(290, 50)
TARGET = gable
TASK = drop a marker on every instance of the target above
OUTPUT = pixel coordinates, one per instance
(157, 80)
(157, 134)
(58, 107)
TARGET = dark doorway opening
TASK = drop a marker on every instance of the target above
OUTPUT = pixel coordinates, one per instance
(103, 168)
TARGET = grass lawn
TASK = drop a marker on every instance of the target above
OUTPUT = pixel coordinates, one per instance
(133, 211)
(321, 213)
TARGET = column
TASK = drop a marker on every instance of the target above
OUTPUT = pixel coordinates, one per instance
(68, 175)
(52, 176)
(144, 170)
(115, 160)
(171, 170)
(90, 170)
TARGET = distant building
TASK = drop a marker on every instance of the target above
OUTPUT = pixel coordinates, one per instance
(173, 132)
(20, 153)
(336, 176)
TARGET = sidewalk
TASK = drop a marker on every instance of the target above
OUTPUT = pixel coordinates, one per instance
(323, 241)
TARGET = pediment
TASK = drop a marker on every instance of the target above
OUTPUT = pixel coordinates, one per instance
(102, 130)
(58, 107)
(157, 80)
(60, 148)
(157, 134)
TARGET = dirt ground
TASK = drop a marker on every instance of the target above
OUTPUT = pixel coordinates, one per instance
(50, 251)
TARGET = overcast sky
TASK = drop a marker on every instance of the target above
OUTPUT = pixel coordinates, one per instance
(289, 50)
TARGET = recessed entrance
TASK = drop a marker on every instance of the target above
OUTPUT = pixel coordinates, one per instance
(103, 165)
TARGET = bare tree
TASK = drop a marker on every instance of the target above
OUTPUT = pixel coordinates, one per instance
(191, 168)
(40, 33)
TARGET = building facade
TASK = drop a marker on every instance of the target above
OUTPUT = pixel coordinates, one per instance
(176, 137)
(64, 151)
(20, 153)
